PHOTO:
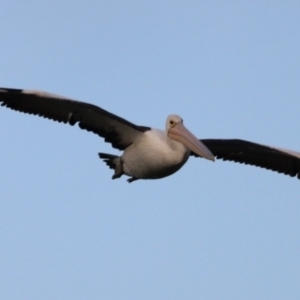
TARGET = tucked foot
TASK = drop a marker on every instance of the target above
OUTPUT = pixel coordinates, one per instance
(131, 179)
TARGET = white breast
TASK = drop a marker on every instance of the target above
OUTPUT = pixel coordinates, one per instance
(154, 155)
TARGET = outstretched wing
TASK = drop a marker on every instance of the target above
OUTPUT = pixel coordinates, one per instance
(275, 159)
(117, 131)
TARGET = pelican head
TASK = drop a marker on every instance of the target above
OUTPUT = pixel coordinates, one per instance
(178, 132)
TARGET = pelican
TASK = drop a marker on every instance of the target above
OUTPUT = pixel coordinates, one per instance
(147, 153)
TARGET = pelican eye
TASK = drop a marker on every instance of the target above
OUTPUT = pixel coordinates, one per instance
(172, 122)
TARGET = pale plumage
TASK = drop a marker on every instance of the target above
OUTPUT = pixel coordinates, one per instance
(148, 153)
(154, 145)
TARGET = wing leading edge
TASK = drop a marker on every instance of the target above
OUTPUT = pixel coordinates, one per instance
(244, 152)
(117, 131)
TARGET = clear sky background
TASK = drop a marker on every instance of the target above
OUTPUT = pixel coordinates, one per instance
(211, 231)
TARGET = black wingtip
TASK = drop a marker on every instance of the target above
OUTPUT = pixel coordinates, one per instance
(9, 90)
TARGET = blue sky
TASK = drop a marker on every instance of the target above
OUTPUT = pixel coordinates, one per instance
(211, 231)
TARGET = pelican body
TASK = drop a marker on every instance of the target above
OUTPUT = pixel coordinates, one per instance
(147, 153)
(155, 154)
(152, 156)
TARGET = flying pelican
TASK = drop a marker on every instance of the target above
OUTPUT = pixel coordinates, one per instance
(148, 153)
